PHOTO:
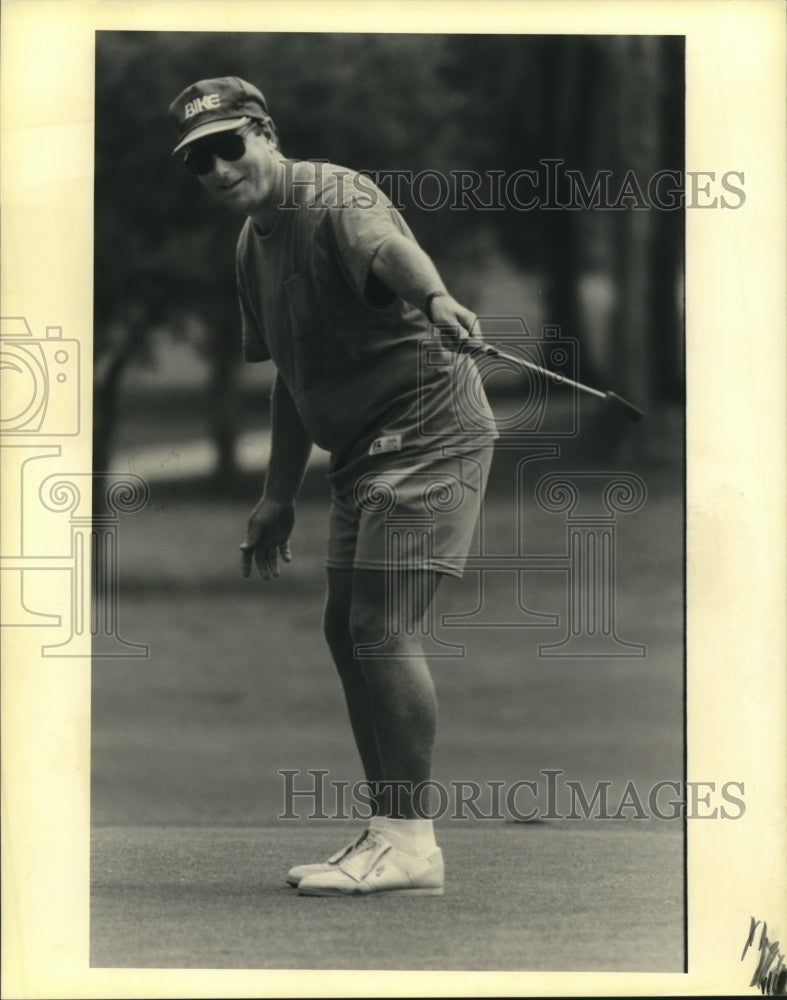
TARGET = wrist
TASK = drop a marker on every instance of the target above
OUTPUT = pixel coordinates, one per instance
(428, 303)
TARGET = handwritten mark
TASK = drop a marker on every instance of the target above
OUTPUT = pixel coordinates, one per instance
(770, 979)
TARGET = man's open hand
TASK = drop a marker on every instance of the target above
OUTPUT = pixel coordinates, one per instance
(267, 537)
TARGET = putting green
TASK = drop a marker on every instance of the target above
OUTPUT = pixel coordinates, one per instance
(548, 897)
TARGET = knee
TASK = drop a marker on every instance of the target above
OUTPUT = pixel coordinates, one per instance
(367, 626)
(371, 626)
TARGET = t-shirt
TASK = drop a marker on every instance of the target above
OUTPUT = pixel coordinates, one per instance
(370, 380)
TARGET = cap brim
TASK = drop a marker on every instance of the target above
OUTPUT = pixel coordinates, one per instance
(210, 128)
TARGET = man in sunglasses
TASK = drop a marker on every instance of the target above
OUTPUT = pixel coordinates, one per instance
(336, 291)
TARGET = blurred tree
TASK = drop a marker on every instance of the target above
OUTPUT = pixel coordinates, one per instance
(159, 262)
(603, 106)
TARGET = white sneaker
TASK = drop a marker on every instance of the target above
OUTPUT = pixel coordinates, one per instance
(294, 875)
(377, 866)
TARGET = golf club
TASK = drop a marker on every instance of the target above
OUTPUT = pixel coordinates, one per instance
(611, 398)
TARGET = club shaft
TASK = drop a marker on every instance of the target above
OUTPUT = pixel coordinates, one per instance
(555, 376)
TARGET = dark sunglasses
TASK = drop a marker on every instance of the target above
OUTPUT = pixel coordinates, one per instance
(226, 146)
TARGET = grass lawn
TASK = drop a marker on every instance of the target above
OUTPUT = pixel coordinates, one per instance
(189, 850)
(238, 684)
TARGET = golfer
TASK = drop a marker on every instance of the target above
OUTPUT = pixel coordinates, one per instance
(336, 291)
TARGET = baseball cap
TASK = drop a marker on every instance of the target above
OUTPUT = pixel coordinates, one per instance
(215, 105)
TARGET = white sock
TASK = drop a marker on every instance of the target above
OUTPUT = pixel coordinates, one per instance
(410, 836)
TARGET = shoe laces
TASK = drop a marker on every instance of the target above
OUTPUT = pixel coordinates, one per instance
(358, 864)
(349, 849)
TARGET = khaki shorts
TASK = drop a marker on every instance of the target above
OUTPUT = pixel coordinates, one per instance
(419, 517)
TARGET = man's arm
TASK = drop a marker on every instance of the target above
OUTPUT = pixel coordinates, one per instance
(271, 522)
(407, 270)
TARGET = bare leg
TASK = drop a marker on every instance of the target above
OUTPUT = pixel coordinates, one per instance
(356, 692)
(401, 695)
(393, 711)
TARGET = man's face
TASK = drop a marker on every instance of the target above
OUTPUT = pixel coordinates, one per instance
(244, 185)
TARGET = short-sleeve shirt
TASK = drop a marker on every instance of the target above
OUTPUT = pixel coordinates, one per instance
(371, 381)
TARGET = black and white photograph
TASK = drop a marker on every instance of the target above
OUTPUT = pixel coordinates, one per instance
(387, 510)
(429, 257)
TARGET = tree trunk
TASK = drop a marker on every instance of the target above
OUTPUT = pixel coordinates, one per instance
(108, 377)
(224, 418)
(223, 399)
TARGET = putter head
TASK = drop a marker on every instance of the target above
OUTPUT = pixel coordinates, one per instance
(632, 412)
